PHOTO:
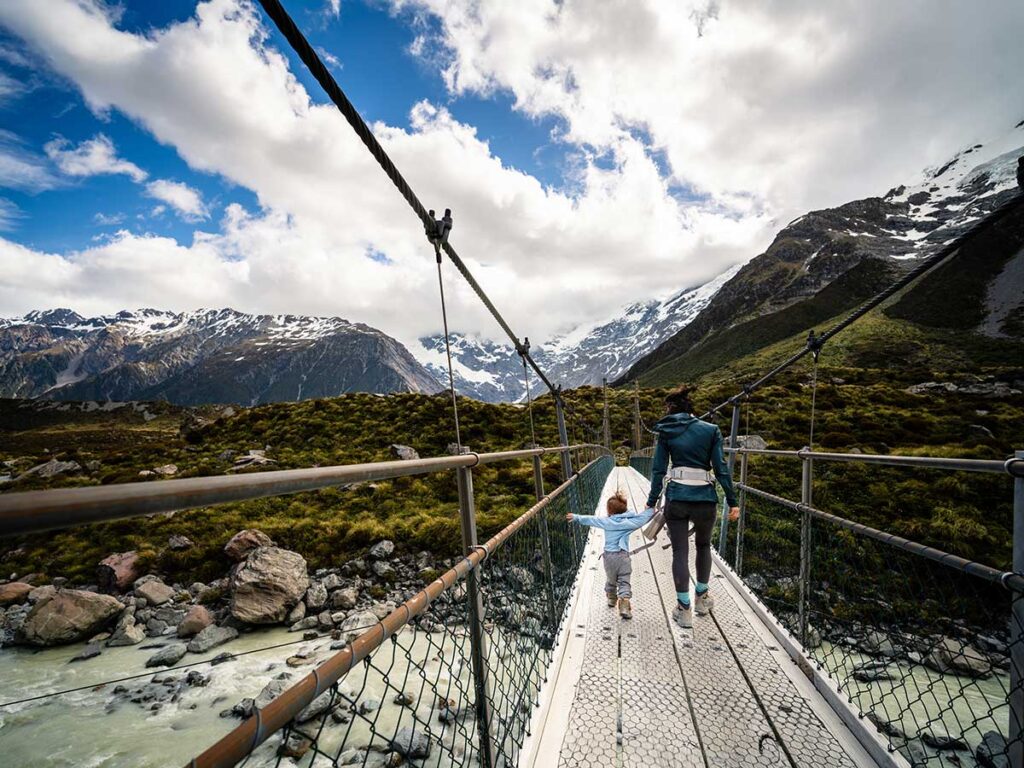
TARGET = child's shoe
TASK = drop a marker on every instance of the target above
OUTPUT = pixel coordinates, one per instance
(704, 604)
(683, 617)
(625, 609)
(612, 600)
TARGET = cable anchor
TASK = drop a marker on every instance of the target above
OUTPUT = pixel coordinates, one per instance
(437, 230)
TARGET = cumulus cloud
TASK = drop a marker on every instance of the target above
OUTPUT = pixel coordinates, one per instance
(91, 158)
(706, 142)
(185, 200)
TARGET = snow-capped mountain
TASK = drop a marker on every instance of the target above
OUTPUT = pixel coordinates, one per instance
(494, 372)
(220, 356)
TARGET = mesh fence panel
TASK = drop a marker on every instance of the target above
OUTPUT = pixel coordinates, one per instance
(414, 698)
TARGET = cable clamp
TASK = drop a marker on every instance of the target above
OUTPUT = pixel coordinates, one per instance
(437, 230)
(523, 349)
(1014, 467)
(814, 344)
(482, 548)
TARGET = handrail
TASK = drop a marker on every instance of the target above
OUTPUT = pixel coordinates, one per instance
(994, 466)
(35, 511)
(1009, 579)
(236, 745)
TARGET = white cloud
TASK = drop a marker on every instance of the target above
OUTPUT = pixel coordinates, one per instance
(180, 196)
(109, 220)
(768, 112)
(22, 169)
(10, 213)
(94, 157)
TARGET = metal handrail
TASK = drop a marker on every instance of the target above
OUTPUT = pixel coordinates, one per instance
(1011, 466)
(36, 511)
(1009, 579)
(236, 745)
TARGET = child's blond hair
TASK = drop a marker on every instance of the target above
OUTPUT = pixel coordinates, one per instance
(617, 503)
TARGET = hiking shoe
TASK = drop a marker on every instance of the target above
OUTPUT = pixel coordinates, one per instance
(612, 600)
(683, 617)
(625, 609)
(704, 604)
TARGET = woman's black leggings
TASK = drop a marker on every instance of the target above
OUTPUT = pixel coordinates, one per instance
(678, 516)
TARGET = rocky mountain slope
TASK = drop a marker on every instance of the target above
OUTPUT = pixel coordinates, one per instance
(494, 373)
(829, 261)
(206, 356)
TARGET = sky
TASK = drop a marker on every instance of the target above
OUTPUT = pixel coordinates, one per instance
(177, 155)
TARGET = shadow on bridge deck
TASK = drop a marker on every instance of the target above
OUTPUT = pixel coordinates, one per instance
(648, 693)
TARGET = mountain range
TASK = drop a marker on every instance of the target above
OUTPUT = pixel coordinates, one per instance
(818, 266)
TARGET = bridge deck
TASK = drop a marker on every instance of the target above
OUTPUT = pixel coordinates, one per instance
(647, 693)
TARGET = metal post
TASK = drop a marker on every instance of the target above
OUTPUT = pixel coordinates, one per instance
(741, 527)
(545, 546)
(607, 426)
(806, 498)
(467, 521)
(1016, 730)
(731, 461)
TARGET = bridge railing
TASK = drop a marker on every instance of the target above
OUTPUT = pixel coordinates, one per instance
(448, 678)
(926, 645)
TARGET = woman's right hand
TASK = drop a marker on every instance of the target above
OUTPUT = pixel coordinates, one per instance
(734, 514)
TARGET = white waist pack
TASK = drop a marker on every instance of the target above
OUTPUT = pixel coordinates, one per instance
(690, 476)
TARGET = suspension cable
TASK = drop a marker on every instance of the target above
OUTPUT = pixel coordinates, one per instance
(814, 395)
(526, 381)
(448, 352)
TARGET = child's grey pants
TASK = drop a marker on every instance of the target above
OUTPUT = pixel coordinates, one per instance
(617, 570)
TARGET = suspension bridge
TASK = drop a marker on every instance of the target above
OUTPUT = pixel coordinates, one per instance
(512, 657)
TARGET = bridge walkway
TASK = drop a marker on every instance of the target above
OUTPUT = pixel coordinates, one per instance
(649, 694)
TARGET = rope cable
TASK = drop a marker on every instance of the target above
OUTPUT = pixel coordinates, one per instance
(814, 398)
(529, 398)
(448, 352)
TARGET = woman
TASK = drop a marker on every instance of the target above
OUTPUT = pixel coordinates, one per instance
(695, 447)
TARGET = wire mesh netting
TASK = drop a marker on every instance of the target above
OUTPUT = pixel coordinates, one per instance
(415, 697)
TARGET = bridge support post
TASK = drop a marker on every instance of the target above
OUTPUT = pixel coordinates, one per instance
(734, 432)
(477, 637)
(1016, 729)
(806, 498)
(545, 544)
(741, 526)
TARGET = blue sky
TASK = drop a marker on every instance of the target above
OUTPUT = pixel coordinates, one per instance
(374, 67)
(595, 154)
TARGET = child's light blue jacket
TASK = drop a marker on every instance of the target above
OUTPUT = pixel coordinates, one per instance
(617, 527)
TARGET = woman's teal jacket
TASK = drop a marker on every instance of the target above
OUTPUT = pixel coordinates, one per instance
(689, 442)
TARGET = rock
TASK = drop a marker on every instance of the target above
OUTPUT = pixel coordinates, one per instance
(128, 632)
(382, 550)
(991, 752)
(381, 610)
(13, 593)
(403, 699)
(167, 657)
(118, 572)
(196, 620)
(147, 473)
(316, 596)
(383, 570)
(412, 744)
(332, 581)
(242, 543)
(938, 738)
(295, 745)
(196, 679)
(298, 613)
(979, 432)
(315, 708)
(273, 689)
(211, 637)
(310, 622)
(756, 582)
(68, 616)
(40, 593)
(167, 470)
(254, 458)
(356, 624)
(221, 658)
(872, 671)
(52, 468)
(266, 587)
(448, 710)
(177, 542)
(404, 452)
(368, 705)
(884, 726)
(753, 442)
(227, 455)
(91, 651)
(345, 599)
(952, 655)
(155, 591)
(244, 709)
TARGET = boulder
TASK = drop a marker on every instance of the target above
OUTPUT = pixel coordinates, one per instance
(196, 620)
(940, 739)
(211, 637)
(242, 543)
(155, 592)
(128, 632)
(316, 596)
(992, 751)
(266, 587)
(91, 651)
(167, 470)
(753, 442)
(315, 708)
(404, 452)
(40, 593)
(167, 657)
(68, 616)
(118, 572)
(356, 624)
(412, 744)
(14, 593)
(383, 570)
(345, 599)
(52, 468)
(297, 614)
(953, 656)
(178, 542)
(382, 550)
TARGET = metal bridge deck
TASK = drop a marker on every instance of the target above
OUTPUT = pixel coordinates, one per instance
(646, 693)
